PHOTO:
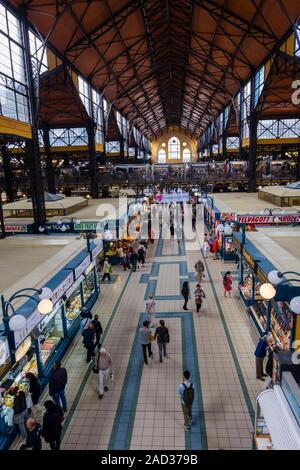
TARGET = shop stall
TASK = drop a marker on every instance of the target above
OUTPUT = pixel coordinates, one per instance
(84, 290)
(25, 361)
(277, 417)
(254, 270)
(45, 338)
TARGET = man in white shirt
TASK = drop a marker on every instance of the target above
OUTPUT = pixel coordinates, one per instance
(104, 364)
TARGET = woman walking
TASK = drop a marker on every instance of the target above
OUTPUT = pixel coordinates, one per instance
(215, 248)
(199, 268)
(185, 294)
(206, 248)
(141, 255)
(162, 337)
(227, 283)
(106, 270)
(151, 310)
(199, 295)
(34, 387)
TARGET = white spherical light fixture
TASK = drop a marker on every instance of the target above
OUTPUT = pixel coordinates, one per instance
(295, 305)
(45, 306)
(17, 323)
(46, 293)
(63, 228)
(277, 220)
(274, 278)
(59, 222)
(41, 229)
(267, 291)
(77, 221)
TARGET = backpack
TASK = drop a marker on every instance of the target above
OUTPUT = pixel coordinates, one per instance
(188, 395)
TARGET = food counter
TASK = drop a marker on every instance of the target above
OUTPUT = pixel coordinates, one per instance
(52, 333)
(88, 285)
(281, 322)
(73, 306)
(16, 376)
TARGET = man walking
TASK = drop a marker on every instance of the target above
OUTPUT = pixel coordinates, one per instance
(57, 384)
(133, 260)
(162, 336)
(199, 268)
(104, 365)
(106, 270)
(186, 393)
(260, 353)
(145, 339)
(98, 330)
(88, 341)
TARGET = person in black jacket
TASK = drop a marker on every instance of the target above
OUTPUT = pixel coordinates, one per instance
(98, 330)
(34, 387)
(162, 336)
(88, 341)
(133, 260)
(20, 409)
(185, 294)
(52, 425)
(33, 440)
(57, 383)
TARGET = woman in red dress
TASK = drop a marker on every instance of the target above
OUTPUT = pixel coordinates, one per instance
(227, 283)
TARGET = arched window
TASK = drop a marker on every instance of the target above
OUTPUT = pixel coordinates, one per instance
(174, 148)
(186, 155)
(162, 157)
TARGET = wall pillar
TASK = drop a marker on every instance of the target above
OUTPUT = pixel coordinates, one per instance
(92, 160)
(252, 176)
(32, 158)
(8, 174)
(50, 171)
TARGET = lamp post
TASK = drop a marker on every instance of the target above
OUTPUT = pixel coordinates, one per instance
(270, 211)
(268, 292)
(17, 322)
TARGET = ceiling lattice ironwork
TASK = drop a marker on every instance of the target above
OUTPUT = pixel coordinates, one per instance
(164, 62)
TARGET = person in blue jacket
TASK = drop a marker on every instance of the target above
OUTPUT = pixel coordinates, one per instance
(260, 353)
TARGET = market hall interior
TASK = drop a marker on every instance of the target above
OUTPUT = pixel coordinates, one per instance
(149, 225)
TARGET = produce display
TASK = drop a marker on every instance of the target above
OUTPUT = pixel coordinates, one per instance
(247, 286)
(73, 307)
(88, 287)
(15, 378)
(279, 330)
(47, 347)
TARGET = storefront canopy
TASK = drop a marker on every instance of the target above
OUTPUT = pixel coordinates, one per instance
(283, 427)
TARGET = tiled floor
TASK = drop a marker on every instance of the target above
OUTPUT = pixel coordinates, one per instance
(141, 410)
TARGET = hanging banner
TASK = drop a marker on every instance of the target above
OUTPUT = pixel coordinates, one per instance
(227, 216)
(4, 350)
(97, 249)
(82, 267)
(86, 226)
(62, 288)
(16, 228)
(268, 219)
(173, 197)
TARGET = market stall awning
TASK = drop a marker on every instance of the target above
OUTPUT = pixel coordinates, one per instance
(283, 427)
